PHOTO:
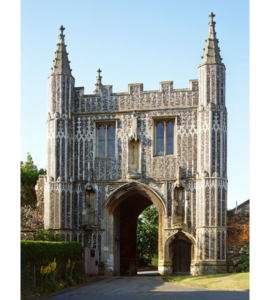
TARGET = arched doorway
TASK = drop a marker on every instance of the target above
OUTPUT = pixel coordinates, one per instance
(126, 204)
(181, 248)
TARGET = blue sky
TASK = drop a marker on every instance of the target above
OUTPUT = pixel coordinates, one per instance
(139, 41)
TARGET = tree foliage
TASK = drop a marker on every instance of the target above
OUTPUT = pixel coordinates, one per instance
(147, 235)
(48, 235)
(29, 177)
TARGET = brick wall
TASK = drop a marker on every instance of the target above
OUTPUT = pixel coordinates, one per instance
(238, 236)
(35, 216)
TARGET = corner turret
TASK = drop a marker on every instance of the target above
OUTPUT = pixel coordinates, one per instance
(58, 188)
(212, 160)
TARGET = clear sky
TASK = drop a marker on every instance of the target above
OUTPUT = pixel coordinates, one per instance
(139, 41)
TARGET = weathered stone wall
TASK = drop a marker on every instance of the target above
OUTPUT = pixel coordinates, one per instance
(242, 208)
(35, 216)
(238, 236)
(166, 102)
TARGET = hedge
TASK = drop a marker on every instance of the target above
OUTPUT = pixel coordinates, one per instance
(41, 253)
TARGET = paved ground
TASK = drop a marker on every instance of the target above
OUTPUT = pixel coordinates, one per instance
(144, 287)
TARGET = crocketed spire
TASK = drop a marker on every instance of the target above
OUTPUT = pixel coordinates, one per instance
(61, 62)
(98, 84)
(211, 54)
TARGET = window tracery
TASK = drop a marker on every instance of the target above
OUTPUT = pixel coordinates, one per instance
(106, 141)
(164, 136)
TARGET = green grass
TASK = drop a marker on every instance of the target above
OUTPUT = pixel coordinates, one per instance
(229, 281)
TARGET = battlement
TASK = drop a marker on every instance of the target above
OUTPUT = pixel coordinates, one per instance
(166, 97)
(193, 86)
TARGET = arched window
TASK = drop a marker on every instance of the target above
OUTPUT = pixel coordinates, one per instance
(106, 141)
(101, 141)
(160, 139)
(169, 138)
(111, 141)
(164, 137)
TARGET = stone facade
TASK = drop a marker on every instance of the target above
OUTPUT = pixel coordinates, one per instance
(94, 195)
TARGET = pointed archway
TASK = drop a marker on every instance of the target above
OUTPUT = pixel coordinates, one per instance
(125, 205)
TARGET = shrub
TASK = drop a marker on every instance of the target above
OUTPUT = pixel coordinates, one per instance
(46, 235)
(243, 262)
(39, 253)
(44, 267)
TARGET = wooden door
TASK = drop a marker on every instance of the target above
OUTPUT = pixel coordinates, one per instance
(181, 257)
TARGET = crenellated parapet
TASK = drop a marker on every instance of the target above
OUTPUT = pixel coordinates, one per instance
(136, 98)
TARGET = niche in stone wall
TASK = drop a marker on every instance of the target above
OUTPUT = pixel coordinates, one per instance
(179, 206)
(134, 157)
(89, 215)
(134, 150)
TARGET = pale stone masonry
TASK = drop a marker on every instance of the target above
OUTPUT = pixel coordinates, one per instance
(108, 158)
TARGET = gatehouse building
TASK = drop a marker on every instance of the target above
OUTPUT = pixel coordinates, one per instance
(110, 155)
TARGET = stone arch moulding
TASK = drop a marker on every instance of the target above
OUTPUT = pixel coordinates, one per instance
(172, 237)
(129, 189)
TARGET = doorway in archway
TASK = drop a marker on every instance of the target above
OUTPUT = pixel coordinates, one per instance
(125, 233)
(182, 253)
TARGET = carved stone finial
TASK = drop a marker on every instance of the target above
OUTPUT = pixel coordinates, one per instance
(211, 16)
(205, 174)
(49, 116)
(99, 77)
(59, 179)
(98, 84)
(99, 71)
(62, 28)
(56, 115)
(51, 178)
